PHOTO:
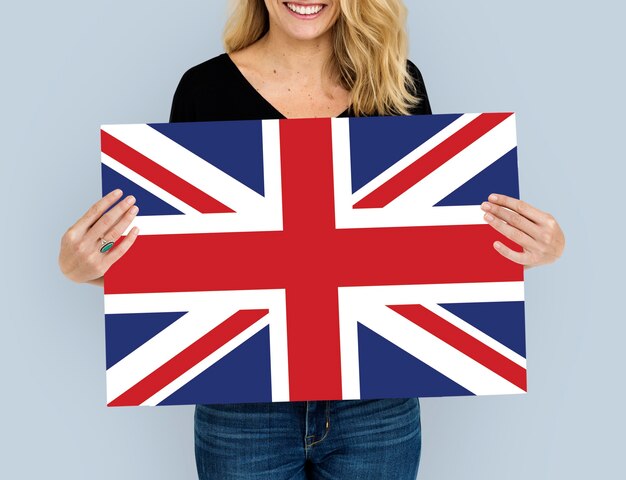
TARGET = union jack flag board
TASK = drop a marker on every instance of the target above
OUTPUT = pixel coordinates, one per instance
(313, 259)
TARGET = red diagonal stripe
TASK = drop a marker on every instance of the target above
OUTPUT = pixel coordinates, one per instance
(160, 176)
(464, 342)
(431, 160)
(188, 358)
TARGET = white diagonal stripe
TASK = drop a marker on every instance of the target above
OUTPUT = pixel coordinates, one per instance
(436, 353)
(399, 216)
(368, 306)
(187, 165)
(476, 333)
(276, 319)
(159, 349)
(148, 186)
(253, 212)
(201, 366)
(205, 310)
(414, 155)
(415, 207)
(464, 166)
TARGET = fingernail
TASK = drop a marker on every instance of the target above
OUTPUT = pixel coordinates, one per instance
(130, 199)
(493, 197)
(117, 192)
(485, 206)
(488, 217)
(134, 210)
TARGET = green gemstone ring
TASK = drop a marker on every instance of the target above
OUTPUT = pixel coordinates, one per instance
(106, 246)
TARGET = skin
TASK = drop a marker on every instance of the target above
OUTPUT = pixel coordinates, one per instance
(285, 67)
(80, 259)
(537, 232)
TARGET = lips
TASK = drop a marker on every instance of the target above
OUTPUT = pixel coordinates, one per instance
(306, 11)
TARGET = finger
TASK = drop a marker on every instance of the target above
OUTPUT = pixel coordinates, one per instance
(525, 209)
(513, 218)
(119, 228)
(120, 249)
(511, 232)
(95, 212)
(109, 219)
(518, 257)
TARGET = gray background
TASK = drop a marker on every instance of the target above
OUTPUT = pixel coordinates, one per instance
(69, 66)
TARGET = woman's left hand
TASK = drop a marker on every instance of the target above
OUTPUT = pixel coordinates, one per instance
(537, 232)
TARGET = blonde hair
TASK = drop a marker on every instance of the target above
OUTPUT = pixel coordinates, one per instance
(370, 51)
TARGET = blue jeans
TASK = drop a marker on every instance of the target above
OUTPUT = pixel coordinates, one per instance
(330, 440)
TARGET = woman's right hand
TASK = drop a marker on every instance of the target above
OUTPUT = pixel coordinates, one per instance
(80, 258)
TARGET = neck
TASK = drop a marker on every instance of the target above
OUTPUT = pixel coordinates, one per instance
(302, 58)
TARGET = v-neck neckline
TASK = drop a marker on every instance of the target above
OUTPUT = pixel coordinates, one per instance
(261, 97)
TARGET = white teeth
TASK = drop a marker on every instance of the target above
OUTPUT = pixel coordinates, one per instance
(304, 10)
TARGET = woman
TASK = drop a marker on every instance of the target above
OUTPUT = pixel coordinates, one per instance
(296, 60)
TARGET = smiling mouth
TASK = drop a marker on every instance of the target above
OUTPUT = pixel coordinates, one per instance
(304, 11)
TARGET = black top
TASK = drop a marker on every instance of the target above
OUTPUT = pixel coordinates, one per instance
(216, 90)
